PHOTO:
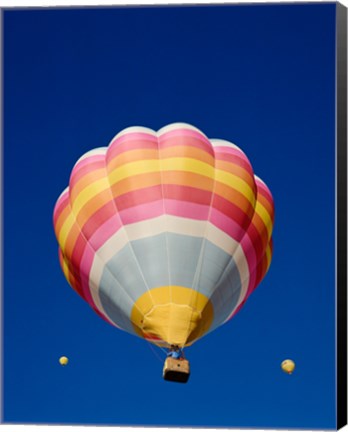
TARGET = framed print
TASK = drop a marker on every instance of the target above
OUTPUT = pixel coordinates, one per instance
(175, 216)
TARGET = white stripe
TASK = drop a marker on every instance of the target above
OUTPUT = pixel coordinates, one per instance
(175, 126)
(66, 190)
(133, 129)
(156, 226)
(94, 288)
(95, 152)
(166, 223)
(113, 245)
(244, 275)
(223, 143)
(260, 180)
(98, 267)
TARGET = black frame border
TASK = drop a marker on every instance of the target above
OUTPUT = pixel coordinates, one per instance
(341, 215)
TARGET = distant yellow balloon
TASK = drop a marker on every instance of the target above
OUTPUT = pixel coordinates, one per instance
(288, 366)
(63, 360)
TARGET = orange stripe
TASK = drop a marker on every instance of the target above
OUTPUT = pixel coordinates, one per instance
(235, 197)
(131, 156)
(86, 180)
(183, 178)
(71, 240)
(133, 183)
(165, 153)
(92, 206)
(142, 181)
(187, 152)
(74, 282)
(235, 169)
(62, 218)
(168, 177)
(261, 229)
(70, 273)
(267, 204)
(179, 151)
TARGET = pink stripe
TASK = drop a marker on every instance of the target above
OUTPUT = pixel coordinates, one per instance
(251, 258)
(236, 311)
(87, 161)
(233, 230)
(183, 132)
(124, 218)
(125, 147)
(145, 138)
(134, 136)
(86, 169)
(172, 139)
(142, 212)
(105, 231)
(148, 211)
(230, 150)
(263, 189)
(251, 287)
(227, 225)
(235, 160)
(85, 268)
(234, 156)
(186, 142)
(186, 209)
(250, 255)
(61, 204)
(172, 207)
(106, 318)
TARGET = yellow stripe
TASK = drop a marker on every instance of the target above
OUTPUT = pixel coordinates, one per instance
(66, 270)
(89, 192)
(269, 257)
(66, 274)
(64, 232)
(188, 164)
(154, 166)
(182, 164)
(237, 183)
(133, 168)
(262, 212)
(78, 186)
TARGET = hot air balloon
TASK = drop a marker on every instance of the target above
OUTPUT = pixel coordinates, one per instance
(63, 360)
(288, 366)
(165, 234)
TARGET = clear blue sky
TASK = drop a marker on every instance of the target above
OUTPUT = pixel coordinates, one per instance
(260, 76)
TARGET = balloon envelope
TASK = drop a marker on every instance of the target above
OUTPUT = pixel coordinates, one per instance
(288, 366)
(165, 234)
(63, 360)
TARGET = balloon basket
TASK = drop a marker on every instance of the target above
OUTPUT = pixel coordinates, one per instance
(177, 370)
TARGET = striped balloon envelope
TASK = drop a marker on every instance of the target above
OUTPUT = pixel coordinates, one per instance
(165, 234)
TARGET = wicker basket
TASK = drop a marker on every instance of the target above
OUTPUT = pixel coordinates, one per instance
(177, 370)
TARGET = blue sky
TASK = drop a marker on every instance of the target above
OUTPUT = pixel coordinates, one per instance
(260, 76)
